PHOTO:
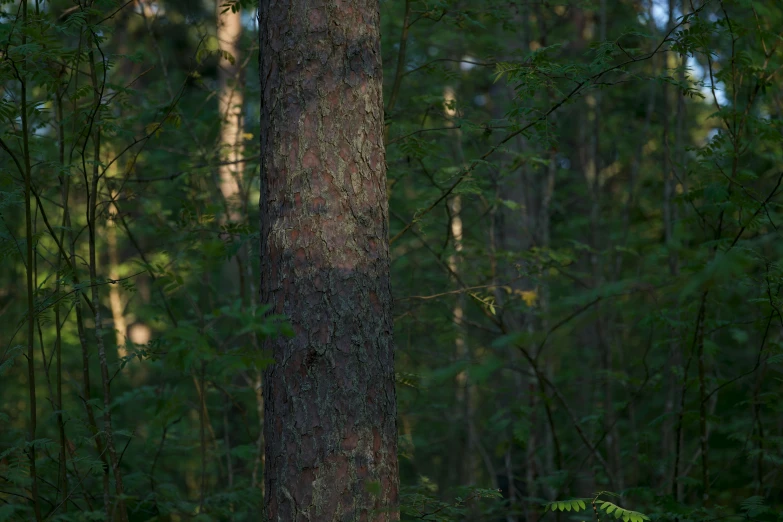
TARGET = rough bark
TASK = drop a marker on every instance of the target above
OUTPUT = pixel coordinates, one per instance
(330, 435)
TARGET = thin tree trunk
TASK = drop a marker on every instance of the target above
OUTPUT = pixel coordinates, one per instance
(331, 439)
(668, 179)
(65, 188)
(759, 428)
(230, 107)
(601, 326)
(86, 394)
(92, 206)
(703, 428)
(464, 396)
(230, 101)
(494, 223)
(544, 233)
(28, 183)
(258, 463)
(670, 214)
(115, 301)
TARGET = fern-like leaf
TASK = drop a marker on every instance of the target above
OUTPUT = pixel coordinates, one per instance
(575, 505)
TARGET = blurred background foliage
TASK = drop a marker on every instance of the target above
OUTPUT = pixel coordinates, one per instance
(584, 209)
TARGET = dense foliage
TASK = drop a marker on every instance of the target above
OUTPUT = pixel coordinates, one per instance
(584, 199)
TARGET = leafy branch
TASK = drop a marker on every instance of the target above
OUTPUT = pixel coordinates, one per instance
(598, 505)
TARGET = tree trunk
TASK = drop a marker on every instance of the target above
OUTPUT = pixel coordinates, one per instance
(115, 299)
(331, 450)
(230, 100)
(465, 398)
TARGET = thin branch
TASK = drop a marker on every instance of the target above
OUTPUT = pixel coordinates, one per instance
(400, 58)
(763, 206)
(478, 64)
(174, 176)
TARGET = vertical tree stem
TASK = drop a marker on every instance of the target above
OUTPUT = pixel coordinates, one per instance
(28, 182)
(92, 206)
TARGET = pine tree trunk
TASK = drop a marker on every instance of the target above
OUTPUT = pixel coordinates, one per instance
(330, 435)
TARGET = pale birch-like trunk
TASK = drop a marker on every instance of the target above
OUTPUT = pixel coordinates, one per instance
(115, 300)
(230, 102)
(464, 396)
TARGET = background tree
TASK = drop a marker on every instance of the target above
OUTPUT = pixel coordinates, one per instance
(230, 102)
